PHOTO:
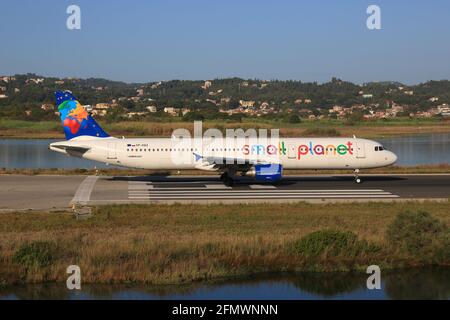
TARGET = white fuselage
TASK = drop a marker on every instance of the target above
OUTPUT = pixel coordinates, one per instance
(291, 153)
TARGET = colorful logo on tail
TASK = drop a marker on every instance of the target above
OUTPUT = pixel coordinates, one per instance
(75, 119)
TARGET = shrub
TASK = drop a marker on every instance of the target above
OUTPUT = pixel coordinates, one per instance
(35, 254)
(332, 243)
(293, 118)
(420, 234)
(322, 132)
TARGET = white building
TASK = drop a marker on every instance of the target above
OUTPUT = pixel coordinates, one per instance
(151, 109)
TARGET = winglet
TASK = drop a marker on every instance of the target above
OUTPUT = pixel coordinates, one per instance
(197, 156)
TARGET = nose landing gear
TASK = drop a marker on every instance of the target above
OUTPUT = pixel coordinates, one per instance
(227, 179)
(357, 178)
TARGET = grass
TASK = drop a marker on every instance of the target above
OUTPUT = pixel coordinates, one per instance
(160, 244)
(367, 129)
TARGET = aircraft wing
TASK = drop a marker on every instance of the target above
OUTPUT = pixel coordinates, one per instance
(211, 163)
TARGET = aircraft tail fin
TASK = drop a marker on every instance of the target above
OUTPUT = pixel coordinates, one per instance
(75, 119)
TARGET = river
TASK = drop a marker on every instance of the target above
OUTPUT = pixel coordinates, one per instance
(34, 153)
(424, 283)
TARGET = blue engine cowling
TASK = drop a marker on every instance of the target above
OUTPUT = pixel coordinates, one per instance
(268, 172)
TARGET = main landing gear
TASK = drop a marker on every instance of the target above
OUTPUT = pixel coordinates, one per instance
(357, 178)
(227, 179)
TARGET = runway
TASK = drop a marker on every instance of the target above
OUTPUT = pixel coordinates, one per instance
(21, 192)
(208, 189)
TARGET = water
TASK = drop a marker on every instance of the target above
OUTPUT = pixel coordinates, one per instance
(420, 149)
(425, 283)
(34, 153)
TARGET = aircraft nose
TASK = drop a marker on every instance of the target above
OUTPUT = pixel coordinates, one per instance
(392, 157)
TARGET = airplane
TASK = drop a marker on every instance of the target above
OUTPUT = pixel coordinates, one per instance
(264, 161)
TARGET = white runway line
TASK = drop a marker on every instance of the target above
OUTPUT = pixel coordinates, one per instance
(216, 186)
(139, 182)
(222, 192)
(83, 194)
(139, 187)
(262, 186)
(180, 197)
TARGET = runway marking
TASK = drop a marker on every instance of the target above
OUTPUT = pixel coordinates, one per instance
(262, 186)
(180, 197)
(139, 182)
(139, 187)
(83, 193)
(216, 186)
(162, 191)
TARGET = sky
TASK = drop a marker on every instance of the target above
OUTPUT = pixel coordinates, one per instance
(154, 40)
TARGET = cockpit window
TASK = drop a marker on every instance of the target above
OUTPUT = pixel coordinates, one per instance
(379, 148)
(376, 148)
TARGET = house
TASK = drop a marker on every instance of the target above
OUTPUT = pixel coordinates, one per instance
(35, 81)
(367, 95)
(99, 112)
(47, 107)
(136, 114)
(307, 101)
(140, 92)
(155, 85)
(264, 106)
(336, 109)
(444, 109)
(59, 82)
(172, 111)
(409, 93)
(2, 88)
(298, 101)
(3, 96)
(151, 109)
(102, 106)
(433, 99)
(246, 104)
(185, 110)
(206, 85)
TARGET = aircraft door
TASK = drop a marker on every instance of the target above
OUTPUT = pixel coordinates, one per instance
(360, 151)
(111, 152)
(292, 154)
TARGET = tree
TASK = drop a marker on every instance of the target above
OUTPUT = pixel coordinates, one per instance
(293, 118)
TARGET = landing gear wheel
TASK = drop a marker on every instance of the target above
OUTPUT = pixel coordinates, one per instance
(229, 182)
(227, 179)
(357, 179)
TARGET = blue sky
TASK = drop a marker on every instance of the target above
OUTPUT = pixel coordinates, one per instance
(313, 40)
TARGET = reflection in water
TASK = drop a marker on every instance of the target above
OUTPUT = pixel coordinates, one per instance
(431, 283)
(420, 149)
(34, 153)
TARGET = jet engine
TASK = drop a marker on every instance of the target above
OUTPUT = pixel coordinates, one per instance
(266, 172)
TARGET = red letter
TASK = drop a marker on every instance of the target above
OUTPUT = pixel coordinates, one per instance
(349, 145)
(300, 152)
